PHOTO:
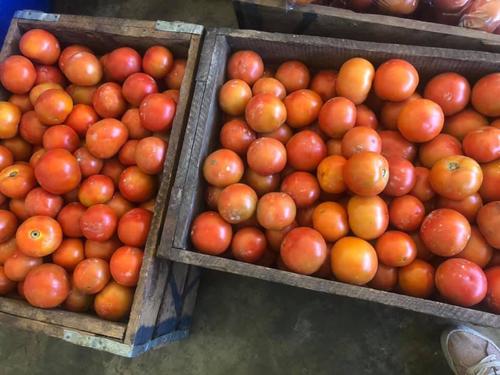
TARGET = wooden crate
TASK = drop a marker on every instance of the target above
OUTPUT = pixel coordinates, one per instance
(187, 199)
(165, 295)
(272, 15)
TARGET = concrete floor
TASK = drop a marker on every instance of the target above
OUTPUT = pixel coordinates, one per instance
(245, 326)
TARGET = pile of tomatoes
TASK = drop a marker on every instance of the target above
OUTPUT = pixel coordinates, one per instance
(82, 143)
(363, 175)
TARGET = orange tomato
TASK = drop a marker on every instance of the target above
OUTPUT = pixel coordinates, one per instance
(396, 249)
(354, 80)
(265, 113)
(460, 124)
(366, 173)
(294, 75)
(330, 219)
(337, 117)
(302, 108)
(330, 174)
(395, 80)
(491, 181)
(39, 236)
(324, 83)
(406, 213)
(361, 208)
(234, 97)
(442, 146)
(484, 94)
(386, 278)
(420, 120)
(417, 279)
(354, 261)
(275, 211)
(10, 116)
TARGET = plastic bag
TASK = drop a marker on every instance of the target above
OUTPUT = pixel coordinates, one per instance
(482, 15)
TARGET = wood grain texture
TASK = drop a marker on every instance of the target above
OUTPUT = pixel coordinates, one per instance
(203, 131)
(102, 35)
(272, 15)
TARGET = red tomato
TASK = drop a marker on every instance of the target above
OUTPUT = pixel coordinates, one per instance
(150, 154)
(305, 150)
(354, 80)
(456, 177)
(31, 129)
(237, 203)
(334, 147)
(394, 144)
(157, 61)
(96, 189)
(365, 117)
(127, 152)
(39, 236)
(249, 245)
(88, 163)
(58, 171)
(125, 265)
(210, 234)
(120, 205)
(294, 75)
(69, 218)
(491, 180)
(172, 94)
(445, 232)
(157, 112)
(461, 282)
(49, 73)
(401, 177)
(477, 249)
(420, 120)
(114, 302)
(38, 90)
(303, 187)
(396, 249)
(422, 188)
(81, 94)
(303, 250)
(261, 184)
(366, 173)
(41, 202)
(78, 301)
(60, 136)
(488, 220)
(98, 223)
(6, 285)
(69, 254)
(174, 78)
(113, 168)
(35, 158)
(10, 115)
(483, 145)
(70, 51)
(8, 225)
(105, 138)
(22, 101)
(330, 219)
(359, 208)
(390, 111)
(493, 293)
(323, 83)
(460, 124)
(484, 94)
(276, 211)
(386, 278)
(212, 195)
(442, 146)
(101, 249)
(268, 85)
(137, 186)
(91, 275)
(469, 206)
(18, 265)
(337, 116)
(46, 286)
(360, 139)
(245, 65)
(265, 113)
(7, 248)
(266, 156)
(133, 227)
(19, 148)
(17, 207)
(406, 213)
(353, 261)
(450, 90)
(17, 74)
(234, 96)
(108, 100)
(122, 62)
(81, 117)
(237, 136)
(82, 68)
(137, 86)
(302, 108)
(132, 121)
(395, 80)
(17, 180)
(417, 279)
(53, 106)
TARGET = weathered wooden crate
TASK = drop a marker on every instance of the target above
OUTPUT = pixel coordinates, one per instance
(166, 293)
(272, 15)
(187, 199)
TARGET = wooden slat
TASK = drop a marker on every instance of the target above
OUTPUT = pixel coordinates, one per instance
(272, 15)
(202, 136)
(82, 322)
(425, 306)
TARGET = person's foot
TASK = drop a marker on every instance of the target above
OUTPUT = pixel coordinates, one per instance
(470, 353)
